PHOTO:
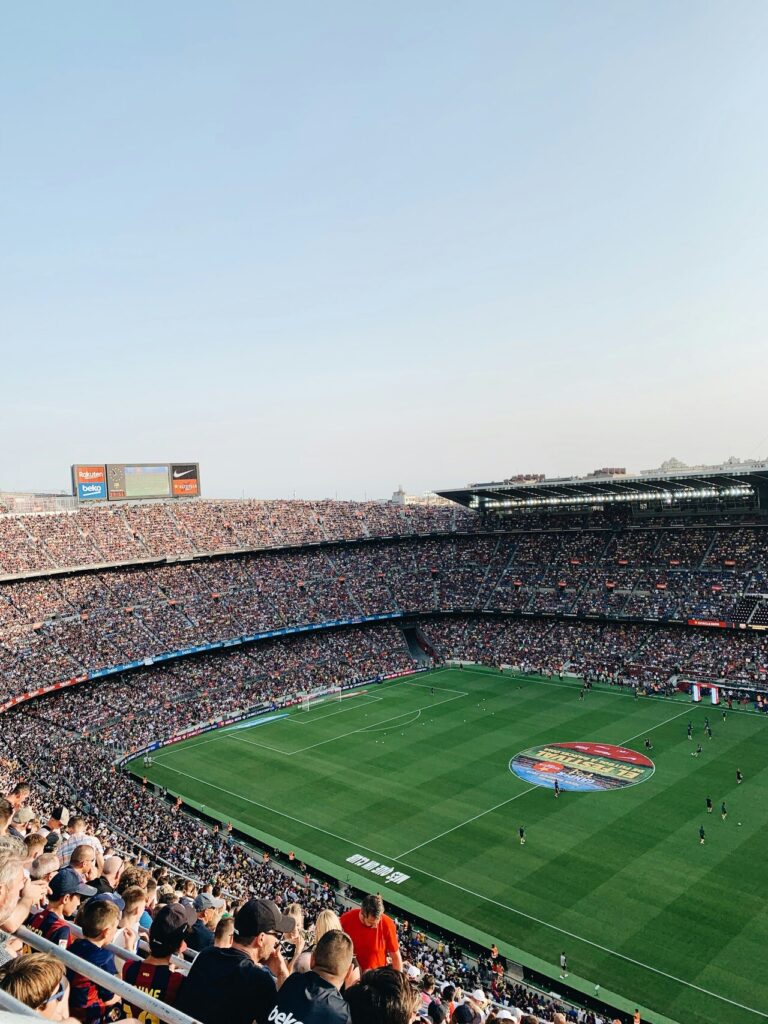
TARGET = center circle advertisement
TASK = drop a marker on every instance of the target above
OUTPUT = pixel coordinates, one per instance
(581, 767)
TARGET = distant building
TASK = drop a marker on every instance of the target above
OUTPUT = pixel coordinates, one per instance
(607, 471)
(29, 501)
(674, 465)
(399, 497)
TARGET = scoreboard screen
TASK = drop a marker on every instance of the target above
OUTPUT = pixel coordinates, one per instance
(137, 481)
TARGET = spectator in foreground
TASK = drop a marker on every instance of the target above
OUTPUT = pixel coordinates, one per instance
(327, 921)
(313, 997)
(37, 980)
(230, 984)
(109, 878)
(208, 909)
(225, 930)
(167, 937)
(373, 934)
(384, 996)
(67, 890)
(90, 1002)
(127, 935)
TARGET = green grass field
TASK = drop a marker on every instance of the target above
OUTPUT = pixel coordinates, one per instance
(419, 781)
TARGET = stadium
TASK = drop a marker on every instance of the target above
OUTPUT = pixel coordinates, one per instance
(509, 710)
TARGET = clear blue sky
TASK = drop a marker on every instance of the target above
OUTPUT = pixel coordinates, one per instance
(331, 248)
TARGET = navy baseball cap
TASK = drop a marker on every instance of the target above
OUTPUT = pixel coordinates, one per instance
(110, 897)
(67, 881)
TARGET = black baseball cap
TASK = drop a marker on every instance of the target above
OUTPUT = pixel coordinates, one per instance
(257, 916)
(67, 881)
(171, 925)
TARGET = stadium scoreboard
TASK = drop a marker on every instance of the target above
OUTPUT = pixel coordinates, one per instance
(123, 481)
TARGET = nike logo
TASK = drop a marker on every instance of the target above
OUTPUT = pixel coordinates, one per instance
(185, 472)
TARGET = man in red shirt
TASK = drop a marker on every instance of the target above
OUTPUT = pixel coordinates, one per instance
(373, 935)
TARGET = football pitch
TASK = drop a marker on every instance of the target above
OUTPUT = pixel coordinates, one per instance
(407, 788)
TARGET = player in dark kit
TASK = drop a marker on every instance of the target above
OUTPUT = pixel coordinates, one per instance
(557, 789)
(521, 832)
(690, 730)
(702, 835)
(697, 751)
(709, 805)
(739, 777)
(723, 811)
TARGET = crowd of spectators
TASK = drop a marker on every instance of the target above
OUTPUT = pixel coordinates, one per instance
(414, 561)
(58, 627)
(133, 531)
(62, 745)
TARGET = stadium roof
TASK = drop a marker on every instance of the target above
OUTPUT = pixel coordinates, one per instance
(716, 483)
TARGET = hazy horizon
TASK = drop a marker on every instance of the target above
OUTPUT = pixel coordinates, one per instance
(326, 252)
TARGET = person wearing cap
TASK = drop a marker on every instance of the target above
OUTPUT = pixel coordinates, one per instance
(314, 997)
(58, 820)
(67, 892)
(373, 933)
(156, 975)
(231, 984)
(208, 909)
(21, 822)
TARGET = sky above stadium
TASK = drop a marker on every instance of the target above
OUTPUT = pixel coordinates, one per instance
(326, 249)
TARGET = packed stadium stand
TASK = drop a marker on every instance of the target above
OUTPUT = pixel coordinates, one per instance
(113, 621)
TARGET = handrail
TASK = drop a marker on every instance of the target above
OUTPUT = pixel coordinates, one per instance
(12, 1005)
(108, 981)
(127, 954)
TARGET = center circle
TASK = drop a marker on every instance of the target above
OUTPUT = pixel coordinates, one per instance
(582, 767)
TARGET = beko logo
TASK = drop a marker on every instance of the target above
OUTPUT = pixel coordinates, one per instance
(91, 488)
(283, 1018)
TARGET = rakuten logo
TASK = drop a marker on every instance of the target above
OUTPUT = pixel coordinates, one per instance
(283, 1018)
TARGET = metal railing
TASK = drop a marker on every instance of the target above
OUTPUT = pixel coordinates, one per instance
(111, 982)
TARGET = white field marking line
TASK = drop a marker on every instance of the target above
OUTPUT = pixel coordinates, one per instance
(580, 938)
(518, 795)
(377, 728)
(298, 719)
(442, 689)
(217, 733)
(503, 803)
(665, 722)
(470, 892)
(255, 743)
(363, 728)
